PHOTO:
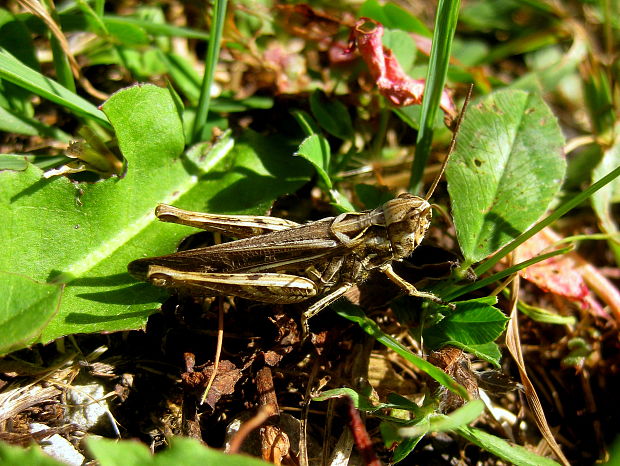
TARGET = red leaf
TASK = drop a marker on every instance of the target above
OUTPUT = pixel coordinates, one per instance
(393, 83)
(568, 275)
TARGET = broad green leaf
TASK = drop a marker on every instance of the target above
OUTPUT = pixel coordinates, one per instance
(488, 15)
(393, 16)
(551, 65)
(374, 10)
(514, 454)
(403, 47)
(84, 236)
(471, 323)
(16, 162)
(315, 149)
(332, 115)
(400, 18)
(506, 169)
(25, 309)
(372, 196)
(469, 51)
(180, 451)
(440, 423)
(21, 75)
(144, 62)
(31, 456)
(603, 199)
(340, 202)
(486, 351)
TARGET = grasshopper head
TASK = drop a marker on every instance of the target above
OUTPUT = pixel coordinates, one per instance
(406, 218)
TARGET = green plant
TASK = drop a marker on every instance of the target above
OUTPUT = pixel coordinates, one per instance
(69, 238)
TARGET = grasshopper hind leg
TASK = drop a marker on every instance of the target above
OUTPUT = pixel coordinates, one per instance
(275, 288)
(321, 304)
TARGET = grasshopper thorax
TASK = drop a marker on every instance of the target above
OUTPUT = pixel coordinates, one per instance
(406, 219)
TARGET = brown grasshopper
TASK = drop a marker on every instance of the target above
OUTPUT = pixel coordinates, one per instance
(279, 261)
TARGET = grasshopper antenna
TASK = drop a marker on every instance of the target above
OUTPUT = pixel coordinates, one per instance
(452, 144)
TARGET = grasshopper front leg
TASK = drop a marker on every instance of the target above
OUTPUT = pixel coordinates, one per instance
(408, 287)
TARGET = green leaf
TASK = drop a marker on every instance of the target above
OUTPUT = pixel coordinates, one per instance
(183, 74)
(360, 401)
(603, 199)
(514, 454)
(25, 309)
(32, 456)
(157, 28)
(126, 33)
(374, 10)
(16, 162)
(16, 72)
(12, 122)
(391, 438)
(340, 202)
(440, 423)
(472, 323)
(332, 115)
(181, 451)
(488, 352)
(439, 61)
(412, 114)
(355, 314)
(506, 169)
(399, 18)
(218, 18)
(543, 315)
(84, 236)
(393, 16)
(403, 46)
(315, 149)
(372, 196)
(16, 39)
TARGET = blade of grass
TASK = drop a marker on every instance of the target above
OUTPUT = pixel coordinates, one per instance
(215, 38)
(158, 29)
(445, 26)
(559, 212)
(355, 314)
(452, 293)
(99, 7)
(16, 72)
(61, 62)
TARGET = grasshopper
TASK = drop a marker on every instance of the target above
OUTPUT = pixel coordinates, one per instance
(279, 261)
